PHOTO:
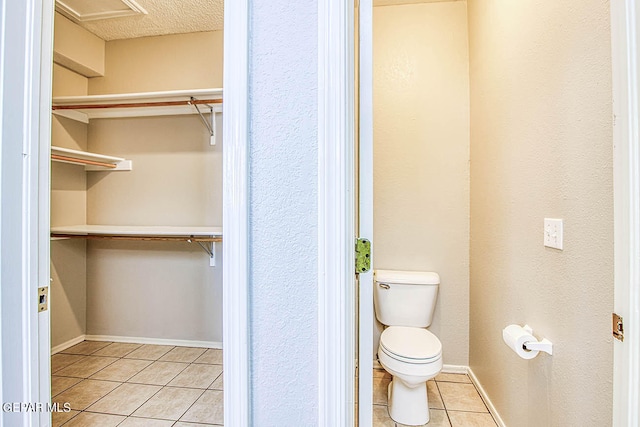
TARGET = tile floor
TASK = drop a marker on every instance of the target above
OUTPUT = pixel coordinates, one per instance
(453, 402)
(134, 385)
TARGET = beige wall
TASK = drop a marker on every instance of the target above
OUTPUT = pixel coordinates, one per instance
(180, 61)
(68, 207)
(541, 146)
(421, 156)
(77, 49)
(156, 289)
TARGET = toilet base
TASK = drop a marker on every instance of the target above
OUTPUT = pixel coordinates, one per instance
(408, 405)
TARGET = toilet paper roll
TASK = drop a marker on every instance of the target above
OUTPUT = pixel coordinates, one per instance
(515, 336)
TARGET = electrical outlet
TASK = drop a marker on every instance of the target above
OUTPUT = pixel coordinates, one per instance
(553, 237)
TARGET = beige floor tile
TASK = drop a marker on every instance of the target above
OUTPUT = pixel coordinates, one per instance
(183, 354)
(170, 403)
(86, 367)
(59, 418)
(149, 352)
(380, 386)
(209, 408)
(121, 370)
(433, 396)
(381, 417)
(471, 419)
(453, 378)
(378, 373)
(61, 360)
(437, 418)
(461, 397)
(218, 384)
(145, 422)
(158, 373)
(197, 376)
(60, 384)
(85, 393)
(212, 356)
(88, 419)
(182, 424)
(124, 399)
(86, 347)
(117, 349)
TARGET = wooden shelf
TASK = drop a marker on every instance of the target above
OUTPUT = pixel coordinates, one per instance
(180, 233)
(204, 237)
(91, 161)
(144, 104)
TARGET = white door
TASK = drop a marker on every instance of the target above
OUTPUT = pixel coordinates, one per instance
(365, 211)
(25, 94)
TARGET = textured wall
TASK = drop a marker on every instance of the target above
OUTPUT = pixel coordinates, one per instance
(283, 212)
(541, 146)
(156, 289)
(179, 61)
(421, 156)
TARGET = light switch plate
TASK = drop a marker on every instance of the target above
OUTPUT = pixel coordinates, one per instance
(553, 236)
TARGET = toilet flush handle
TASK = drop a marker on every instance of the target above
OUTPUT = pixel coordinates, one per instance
(384, 286)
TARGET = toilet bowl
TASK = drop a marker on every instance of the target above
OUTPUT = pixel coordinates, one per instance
(412, 356)
(404, 302)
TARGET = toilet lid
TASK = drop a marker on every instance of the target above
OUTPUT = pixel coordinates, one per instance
(414, 344)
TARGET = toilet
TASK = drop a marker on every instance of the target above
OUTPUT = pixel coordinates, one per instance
(404, 302)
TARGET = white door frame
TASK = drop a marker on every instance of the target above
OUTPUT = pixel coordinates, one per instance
(625, 21)
(336, 213)
(25, 115)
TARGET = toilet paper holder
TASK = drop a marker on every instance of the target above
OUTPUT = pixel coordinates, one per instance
(543, 345)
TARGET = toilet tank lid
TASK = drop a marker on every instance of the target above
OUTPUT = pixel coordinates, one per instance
(407, 277)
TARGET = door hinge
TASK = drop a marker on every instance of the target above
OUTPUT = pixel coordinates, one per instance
(618, 327)
(43, 298)
(363, 255)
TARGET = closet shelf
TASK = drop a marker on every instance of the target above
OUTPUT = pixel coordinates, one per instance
(91, 161)
(205, 237)
(167, 103)
(143, 232)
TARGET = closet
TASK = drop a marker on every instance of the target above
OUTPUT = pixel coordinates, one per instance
(136, 189)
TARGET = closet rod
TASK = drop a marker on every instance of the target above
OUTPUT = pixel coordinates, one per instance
(137, 104)
(119, 237)
(82, 161)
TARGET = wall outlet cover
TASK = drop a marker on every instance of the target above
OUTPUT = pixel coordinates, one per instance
(553, 233)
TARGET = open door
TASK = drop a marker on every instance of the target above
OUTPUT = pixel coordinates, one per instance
(365, 208)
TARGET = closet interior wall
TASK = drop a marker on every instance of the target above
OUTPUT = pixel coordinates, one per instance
(138, 289)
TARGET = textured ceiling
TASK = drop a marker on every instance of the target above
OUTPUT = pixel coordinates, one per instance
(165, 17)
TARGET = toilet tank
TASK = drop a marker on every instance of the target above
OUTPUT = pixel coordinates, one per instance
(405, 298)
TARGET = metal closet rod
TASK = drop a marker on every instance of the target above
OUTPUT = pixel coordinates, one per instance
(137, 104)
(189, 239)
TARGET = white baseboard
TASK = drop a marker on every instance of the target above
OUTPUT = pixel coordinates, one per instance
(136, 340)
(486, 399)
(455, 369)
(156, 341)
(66, 345)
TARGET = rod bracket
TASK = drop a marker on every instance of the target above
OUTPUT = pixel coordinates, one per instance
(209, 124)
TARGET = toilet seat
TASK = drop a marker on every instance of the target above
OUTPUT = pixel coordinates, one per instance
(410, 345)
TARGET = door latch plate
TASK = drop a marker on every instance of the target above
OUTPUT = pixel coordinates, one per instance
(43, 298)
(618, 327)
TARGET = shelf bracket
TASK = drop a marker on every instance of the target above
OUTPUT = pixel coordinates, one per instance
(211, 124)
(209, 248)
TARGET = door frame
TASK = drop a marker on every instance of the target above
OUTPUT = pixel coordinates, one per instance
(25, 116)
(336, 213)
(625, 42)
